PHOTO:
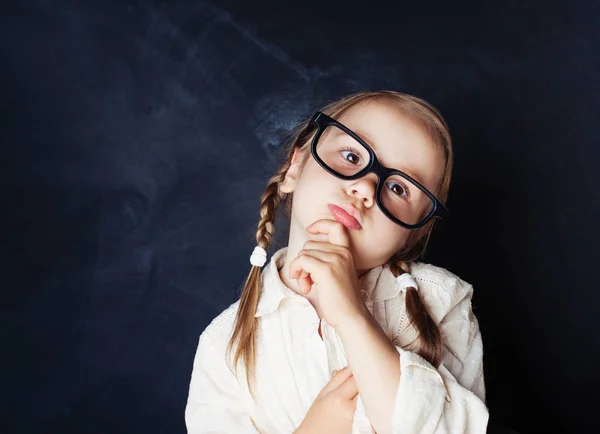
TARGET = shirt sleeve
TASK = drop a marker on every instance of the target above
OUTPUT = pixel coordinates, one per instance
(447, 400)
(214, 402)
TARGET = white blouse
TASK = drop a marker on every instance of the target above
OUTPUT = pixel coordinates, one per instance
(293, 363)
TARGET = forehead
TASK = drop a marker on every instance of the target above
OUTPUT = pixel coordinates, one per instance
(397, 140)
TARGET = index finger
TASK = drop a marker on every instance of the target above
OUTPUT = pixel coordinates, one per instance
(337, 232)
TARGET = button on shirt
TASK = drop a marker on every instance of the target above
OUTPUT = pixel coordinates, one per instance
(293, 362)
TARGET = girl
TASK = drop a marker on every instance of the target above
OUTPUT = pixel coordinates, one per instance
(343, 331)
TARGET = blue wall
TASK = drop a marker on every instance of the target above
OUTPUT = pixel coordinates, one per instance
(137, 138)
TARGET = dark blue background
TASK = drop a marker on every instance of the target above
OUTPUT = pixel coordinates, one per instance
(137, 137)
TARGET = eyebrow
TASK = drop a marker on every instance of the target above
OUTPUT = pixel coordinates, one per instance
(371, 143)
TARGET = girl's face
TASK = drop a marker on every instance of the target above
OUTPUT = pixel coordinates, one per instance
(398, 143)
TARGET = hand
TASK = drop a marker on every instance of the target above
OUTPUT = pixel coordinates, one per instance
(333, 410)
(329, 263)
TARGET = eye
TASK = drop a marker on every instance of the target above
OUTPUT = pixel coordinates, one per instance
(355, 158)
(398, 188)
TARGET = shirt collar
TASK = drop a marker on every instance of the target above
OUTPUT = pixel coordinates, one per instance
(378, 284)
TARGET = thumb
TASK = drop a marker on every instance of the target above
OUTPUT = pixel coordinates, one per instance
(336, 380)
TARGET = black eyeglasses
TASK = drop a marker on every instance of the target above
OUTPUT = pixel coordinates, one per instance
(406, 202)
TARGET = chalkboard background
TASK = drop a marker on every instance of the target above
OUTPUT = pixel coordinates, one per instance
(137, 137)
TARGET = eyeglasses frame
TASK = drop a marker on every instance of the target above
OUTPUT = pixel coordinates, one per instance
(322, 121)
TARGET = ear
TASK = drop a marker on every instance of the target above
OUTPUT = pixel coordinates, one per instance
(289, 183)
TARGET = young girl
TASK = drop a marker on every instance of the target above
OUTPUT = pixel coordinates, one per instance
(343, 331)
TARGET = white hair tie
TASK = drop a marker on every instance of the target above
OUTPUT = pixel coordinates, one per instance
(258, 257)
(405, 280)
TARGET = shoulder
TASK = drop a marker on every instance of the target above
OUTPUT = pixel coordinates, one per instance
(219, 330)
(440, 289)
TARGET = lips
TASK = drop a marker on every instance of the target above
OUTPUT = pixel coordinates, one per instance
(344, 218)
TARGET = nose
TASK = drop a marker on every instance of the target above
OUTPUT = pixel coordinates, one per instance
(364, 188)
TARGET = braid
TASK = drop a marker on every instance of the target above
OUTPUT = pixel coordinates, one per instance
(246, 325)
(270, 200)
(429, 340)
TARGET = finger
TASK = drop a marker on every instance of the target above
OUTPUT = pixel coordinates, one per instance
(348, 389)
(344, 369)
(336, 380)
(324, 246)
(305, 282)
(337, 232)
(319, 237)
(308, 263)
(324, 256)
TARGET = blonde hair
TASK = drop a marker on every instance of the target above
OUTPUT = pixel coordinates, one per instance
(429, 342)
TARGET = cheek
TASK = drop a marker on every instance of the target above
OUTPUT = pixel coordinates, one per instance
(387, 236)
(311, 192)
(314, 181)
(391, 238)
(388, 231)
